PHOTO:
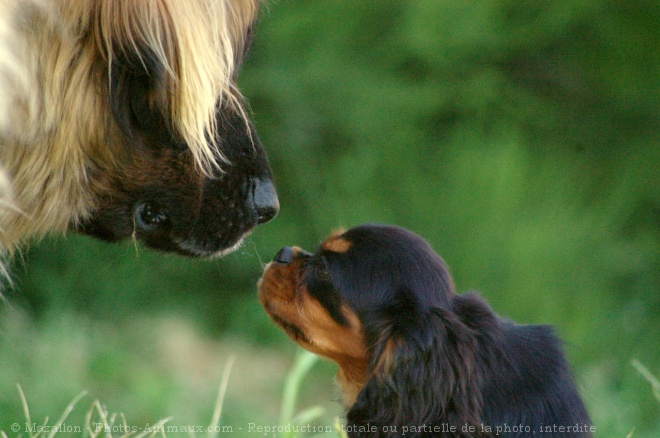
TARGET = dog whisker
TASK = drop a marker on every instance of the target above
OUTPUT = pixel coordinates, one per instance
(256, 252)
(134, 239)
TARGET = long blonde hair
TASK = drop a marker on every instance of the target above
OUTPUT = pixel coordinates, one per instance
(56, 128)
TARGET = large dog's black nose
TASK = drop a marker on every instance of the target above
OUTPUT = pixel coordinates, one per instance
(265, 200)
(284, 255)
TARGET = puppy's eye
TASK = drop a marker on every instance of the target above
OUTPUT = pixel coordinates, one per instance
(323, 273)
(321, 268)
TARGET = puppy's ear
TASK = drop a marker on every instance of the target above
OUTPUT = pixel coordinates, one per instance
(423, 369)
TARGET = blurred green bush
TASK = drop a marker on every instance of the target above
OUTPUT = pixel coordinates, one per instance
(521, 139)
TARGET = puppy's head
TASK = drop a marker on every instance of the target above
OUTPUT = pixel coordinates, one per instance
(377, 300)
(178, 165)
(297, 292)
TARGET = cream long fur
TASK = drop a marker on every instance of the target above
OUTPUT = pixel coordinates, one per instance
(56, 129)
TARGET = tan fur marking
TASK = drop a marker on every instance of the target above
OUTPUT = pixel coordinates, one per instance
(336, 243)
(385, 364)
(351, 377)
(289, 304)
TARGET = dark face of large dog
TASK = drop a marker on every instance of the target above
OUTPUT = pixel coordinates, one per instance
(162, 199)
(157, 193)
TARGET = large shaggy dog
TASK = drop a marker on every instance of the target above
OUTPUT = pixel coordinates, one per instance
(415, 358)
(122, 119)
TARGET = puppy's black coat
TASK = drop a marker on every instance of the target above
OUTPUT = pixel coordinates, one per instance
(432, 362)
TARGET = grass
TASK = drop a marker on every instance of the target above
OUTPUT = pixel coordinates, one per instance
(99, 422)
(163, 371)
(167, 390)
(303, 364)
(655, 384)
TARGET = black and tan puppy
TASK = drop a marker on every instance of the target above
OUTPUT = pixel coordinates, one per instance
(415, 357)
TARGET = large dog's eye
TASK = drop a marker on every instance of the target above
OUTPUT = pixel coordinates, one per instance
(149, 217)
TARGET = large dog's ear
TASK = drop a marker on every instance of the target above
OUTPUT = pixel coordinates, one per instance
(423, 370)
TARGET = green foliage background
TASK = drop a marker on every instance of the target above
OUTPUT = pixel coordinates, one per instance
(522, 139)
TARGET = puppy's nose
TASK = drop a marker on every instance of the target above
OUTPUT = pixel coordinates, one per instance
(284, 255)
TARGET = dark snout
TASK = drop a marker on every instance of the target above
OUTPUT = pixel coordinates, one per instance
(173, 206)
(284, 255)
(264, 200)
